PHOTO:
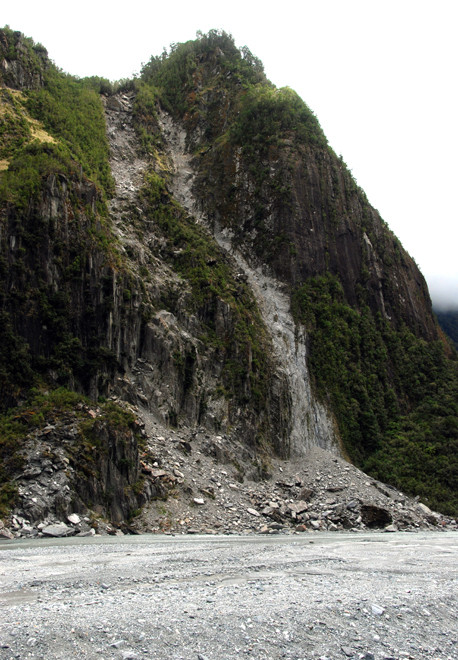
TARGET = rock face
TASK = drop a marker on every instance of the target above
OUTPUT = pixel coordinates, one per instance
(22, 62)
(311, 423)
(88, 459)
(168, 286)
(175, 373)
(297, 210)
(59, 269)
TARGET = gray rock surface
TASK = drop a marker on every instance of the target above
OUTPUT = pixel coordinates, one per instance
(368, 596)
(216, 487)
(202, 475)
(59, 529)
(311, 422)
(316, 491)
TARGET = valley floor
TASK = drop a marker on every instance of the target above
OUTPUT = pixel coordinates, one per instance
(314, 596)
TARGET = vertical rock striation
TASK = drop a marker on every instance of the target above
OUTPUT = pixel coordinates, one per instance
(228, 276)
(311, 424)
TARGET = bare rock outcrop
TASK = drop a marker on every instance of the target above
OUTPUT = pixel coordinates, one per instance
(22, 63)
(189, 481)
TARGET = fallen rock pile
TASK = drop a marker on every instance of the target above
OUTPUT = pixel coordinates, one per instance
(221, 489)
(198, 482)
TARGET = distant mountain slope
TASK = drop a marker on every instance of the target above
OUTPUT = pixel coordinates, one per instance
(449, 324)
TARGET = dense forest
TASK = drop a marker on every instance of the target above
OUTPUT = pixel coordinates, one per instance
(448, 321)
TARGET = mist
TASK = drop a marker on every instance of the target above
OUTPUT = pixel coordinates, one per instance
(444, 293)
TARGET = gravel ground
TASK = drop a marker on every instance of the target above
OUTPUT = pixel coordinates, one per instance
(315, 595)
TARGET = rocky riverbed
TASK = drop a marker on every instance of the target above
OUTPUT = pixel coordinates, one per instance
(368, 596)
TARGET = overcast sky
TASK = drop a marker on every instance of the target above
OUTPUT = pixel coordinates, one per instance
(381, 76)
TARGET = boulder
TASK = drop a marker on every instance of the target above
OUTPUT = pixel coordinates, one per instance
(58, 530)
(375, 516)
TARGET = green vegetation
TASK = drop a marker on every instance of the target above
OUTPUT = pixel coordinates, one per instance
(348, 360)
(72, 112)
(32, 56)
(145, 118)
(395, 396)
(197, 258)
(63, 110)
(14, 127)
(174, 74)
(449, 324)
(29, 168)
(268, 116)
(262, 115)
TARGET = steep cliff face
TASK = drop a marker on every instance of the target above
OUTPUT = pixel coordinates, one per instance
(307, 422)
(253, 166)
(97, 281)
(205, 356)
(191, 244)
(320, 222)
(23, 62)
(264, 171)
(125, 297)
(60, 289)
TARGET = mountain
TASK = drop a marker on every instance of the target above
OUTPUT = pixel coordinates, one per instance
(448, 321)
(185, 251)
